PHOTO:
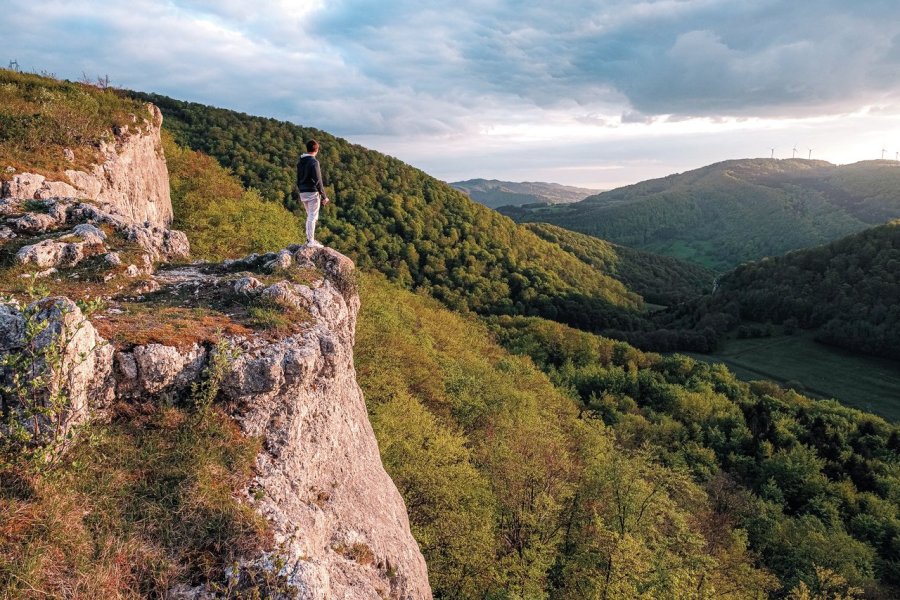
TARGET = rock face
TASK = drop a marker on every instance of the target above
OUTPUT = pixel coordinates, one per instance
(68, 353)
(338, 518)
(132, 177)
(340, 526)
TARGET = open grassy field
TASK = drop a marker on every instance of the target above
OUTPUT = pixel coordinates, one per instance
(868, 383)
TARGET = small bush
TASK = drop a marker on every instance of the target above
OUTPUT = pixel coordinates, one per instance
(270, 317)
(220, 218)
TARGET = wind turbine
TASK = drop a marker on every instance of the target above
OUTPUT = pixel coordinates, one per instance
(810, 153)
(882, 153)
(794, 152)
(896, 155)
(773, 152)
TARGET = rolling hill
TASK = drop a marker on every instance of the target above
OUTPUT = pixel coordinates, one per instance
(494, 193)
(734, 211)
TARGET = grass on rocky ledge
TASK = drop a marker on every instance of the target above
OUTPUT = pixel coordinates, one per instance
(189, 315)
(137, 506)
(40, 117)
(178, 317)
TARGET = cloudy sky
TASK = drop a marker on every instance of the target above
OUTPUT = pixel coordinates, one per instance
(596, 93)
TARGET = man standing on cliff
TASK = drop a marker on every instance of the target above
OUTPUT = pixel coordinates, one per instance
(312, 191)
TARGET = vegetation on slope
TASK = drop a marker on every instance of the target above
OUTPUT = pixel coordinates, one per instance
(417, 230)
(513, 490)
(41, 117)
(730, 212)
(135, 507)
(220, 217)
(658, 279)
(846, 292)
(812, 484)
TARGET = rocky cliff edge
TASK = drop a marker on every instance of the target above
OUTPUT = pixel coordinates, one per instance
(144, 330)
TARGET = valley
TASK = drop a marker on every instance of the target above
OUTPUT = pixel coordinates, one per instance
(798, 361)
(493, 193)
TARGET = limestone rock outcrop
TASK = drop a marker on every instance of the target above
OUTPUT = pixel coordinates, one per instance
(340, 525)
(131, 176)
(68, 247)
(338, 518)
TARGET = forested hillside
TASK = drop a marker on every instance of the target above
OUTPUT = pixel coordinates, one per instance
(659, 279)
(846, 291)
(811, 484)
(494, 193)
(730, 212)
(417, 230)
(657, 476)
(746, 489)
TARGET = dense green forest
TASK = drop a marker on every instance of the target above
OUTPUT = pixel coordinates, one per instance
(417, 230)
(810, 483)
(734, 211)
(514, 490)
(658, 279)
(846, 291)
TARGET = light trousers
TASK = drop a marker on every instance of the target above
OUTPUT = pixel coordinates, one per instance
(311, 202)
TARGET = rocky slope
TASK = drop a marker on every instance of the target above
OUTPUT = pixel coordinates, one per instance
(93, 313)
(132, 177)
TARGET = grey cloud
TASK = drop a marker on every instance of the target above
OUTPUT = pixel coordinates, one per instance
(774, 58)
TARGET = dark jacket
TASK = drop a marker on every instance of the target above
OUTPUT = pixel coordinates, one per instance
(309, 175)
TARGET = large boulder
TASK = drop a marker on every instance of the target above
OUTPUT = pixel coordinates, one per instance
(53, 253)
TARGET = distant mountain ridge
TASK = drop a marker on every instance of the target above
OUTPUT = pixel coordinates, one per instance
(495, 193)
(730, 212)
